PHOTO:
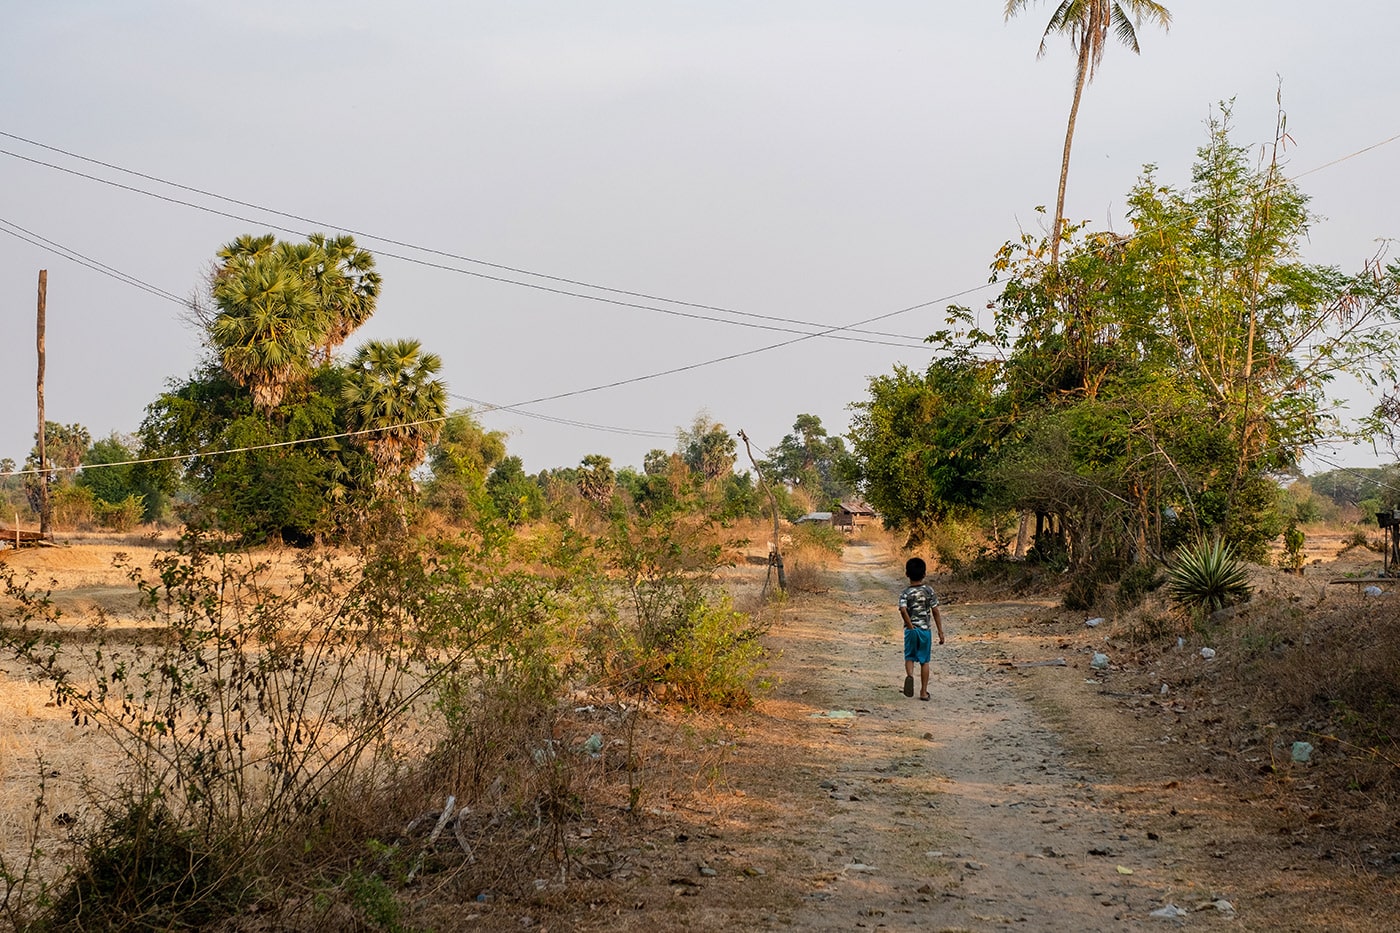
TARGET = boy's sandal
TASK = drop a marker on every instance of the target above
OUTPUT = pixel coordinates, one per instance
(909, 685)
(925, 698)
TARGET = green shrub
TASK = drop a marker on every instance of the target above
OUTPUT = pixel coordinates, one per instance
(1136, 582)
(142, 870)
(119, 516)
(1208, 576)
(825, 538)
(953, 543)
(1292, 557)
(674, 634)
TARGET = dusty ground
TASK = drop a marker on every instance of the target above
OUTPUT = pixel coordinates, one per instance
(1026, 795)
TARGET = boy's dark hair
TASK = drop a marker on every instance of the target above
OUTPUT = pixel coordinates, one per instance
(915, 568)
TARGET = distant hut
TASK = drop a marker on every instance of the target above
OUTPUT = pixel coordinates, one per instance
(853, 515)
(815, 518)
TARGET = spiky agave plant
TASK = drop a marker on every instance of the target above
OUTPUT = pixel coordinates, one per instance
(1209, 576)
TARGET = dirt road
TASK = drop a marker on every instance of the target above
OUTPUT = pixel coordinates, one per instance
(861, 808)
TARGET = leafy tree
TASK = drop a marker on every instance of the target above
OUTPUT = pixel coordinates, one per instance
(346, 286)
(64, 448)
(281, 305)
(265, 329)
(1355, 486)
(657, 462)
(270, 485)
(707, 448)
(110, 484)
(1147, 390)
(11, 487)
(1088, 24)
(516, 497)
(920, 440)
(263, 421)
(810, 459)
(461, 460)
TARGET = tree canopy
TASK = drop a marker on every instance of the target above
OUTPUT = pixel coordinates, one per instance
(282, 439)
(1147, 388)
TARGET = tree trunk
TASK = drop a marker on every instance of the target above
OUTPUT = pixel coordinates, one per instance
(1023, 534)
(1080, 77)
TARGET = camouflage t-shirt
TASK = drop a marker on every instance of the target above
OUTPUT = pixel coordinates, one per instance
(919, 600)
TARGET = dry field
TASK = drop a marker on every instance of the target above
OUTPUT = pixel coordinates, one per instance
(1029, 793)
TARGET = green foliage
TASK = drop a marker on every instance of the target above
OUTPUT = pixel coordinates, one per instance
(920, 440)
(514, 495)
(264, 421)
(374, 899)
(676, 635)
(111, 484)
(596, 479)
(810, 460)
(71, 507)
(1208, 576)
(1143, 390)
(1292, 557)
(461, 460)
(64, 448)
(707, 448)
(269, 487)
(281, 305)
(825, 538)
(143, 870)
(395, 405)
(270, 711)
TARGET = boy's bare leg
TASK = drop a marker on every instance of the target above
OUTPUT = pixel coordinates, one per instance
(909, 668)
(923, 678)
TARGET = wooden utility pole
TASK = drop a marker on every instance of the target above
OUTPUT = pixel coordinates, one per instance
(775, 556)
(43, 453)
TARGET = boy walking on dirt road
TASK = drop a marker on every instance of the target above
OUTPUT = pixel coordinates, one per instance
(918, 604)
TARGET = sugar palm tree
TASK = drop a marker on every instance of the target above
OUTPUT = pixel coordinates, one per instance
(596, 480)
(346, 285)
(265, 327)
(392, 393)
(1088, 24)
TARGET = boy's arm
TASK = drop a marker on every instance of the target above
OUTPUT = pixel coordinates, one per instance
(938, 621)
(908, 621)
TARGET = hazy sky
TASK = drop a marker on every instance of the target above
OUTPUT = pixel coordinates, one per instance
(818, 162)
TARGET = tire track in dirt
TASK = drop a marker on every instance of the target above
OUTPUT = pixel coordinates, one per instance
(961, 813)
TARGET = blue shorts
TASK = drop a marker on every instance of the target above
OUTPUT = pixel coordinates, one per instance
(918, 644)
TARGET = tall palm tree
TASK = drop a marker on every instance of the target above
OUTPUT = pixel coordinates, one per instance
(265, 327)
(392, 392)
(1088, 23)
(347, 285)
(596, 480)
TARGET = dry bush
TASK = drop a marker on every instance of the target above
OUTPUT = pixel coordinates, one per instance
(1333, 670)
(814, 547)
(260, 721)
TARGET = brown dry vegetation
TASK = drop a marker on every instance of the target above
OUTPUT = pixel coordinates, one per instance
(754, 820)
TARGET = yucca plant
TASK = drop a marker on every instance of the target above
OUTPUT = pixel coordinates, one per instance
(1208, 576)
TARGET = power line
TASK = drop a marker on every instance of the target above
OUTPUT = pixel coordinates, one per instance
(827, 330)
(741, 354)
(198, 454)
(72, 255)
(616, 383)
(484, 407)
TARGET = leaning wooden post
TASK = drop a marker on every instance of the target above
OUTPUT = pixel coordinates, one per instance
(43, 453)
(777, 555)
